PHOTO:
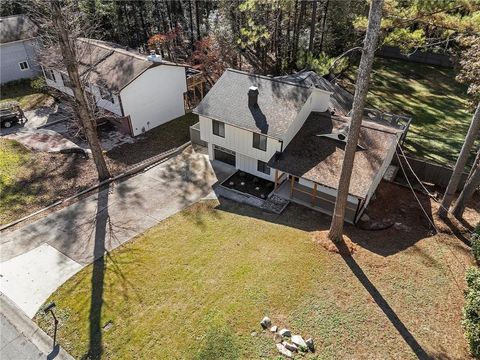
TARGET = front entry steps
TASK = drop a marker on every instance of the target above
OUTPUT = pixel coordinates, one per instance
(275, 204)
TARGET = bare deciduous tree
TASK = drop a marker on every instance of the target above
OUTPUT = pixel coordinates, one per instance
(363, 78)
(60, 26)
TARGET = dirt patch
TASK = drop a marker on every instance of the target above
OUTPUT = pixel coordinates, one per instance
(345, 248)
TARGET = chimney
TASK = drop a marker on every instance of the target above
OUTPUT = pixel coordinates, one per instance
(253, 96)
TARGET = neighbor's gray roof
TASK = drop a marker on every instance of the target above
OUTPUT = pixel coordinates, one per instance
(341, 100)
(319, 159)
(105, 64)
(278, 103)
(16, 27)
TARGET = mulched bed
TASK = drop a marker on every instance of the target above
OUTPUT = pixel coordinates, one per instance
(249, 184)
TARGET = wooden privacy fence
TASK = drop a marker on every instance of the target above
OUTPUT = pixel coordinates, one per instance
(428, 172)
(424, 57)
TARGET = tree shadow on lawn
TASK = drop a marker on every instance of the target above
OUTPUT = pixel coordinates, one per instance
(105, 232)
(393, 202)
(382, 303)
(383, 244)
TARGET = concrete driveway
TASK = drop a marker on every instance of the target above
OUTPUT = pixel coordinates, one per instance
(39, 257)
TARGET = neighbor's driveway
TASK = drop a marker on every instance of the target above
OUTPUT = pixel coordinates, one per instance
(39, 257)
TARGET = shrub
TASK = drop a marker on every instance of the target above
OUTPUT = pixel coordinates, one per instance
(471, 311)
(38, 83)
(475, 239)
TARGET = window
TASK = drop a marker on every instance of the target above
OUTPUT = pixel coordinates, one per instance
(263, 167)
(106, 95)
(218, 128)
(50, 75)
(23, 65)
(66, 80)
(259, 141)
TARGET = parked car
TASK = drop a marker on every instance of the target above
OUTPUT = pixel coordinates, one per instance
(10, 114)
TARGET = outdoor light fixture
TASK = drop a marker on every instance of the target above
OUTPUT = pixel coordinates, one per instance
(49, 309)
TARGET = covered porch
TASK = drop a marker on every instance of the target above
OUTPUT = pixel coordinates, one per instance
(289, 187)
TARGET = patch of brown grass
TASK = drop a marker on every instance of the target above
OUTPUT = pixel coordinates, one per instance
(346, 247)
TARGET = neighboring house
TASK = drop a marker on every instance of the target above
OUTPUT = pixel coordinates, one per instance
(144, 91)
(286, 133)
(17, 49)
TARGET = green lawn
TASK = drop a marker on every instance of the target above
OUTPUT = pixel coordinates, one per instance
(13, 159)
(24, 93)
(431, 96)
(196, 286)
(31, 181)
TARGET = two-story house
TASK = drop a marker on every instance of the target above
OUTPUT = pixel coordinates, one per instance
(286, 133)
(17, 49)
(146, 91)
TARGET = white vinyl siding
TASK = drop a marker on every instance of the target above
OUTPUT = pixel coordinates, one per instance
(57, 83)
(238, 140)
(112, 106)
(155, 97)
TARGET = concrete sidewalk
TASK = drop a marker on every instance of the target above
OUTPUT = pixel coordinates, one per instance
(21, 338)
(38, 258)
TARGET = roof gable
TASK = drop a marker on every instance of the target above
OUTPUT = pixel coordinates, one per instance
(15, 28)
(105, 64)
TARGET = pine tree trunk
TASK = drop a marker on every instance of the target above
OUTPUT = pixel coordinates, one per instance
(313, 22)
(67, 48)
(190, 14)
(460, 165)
(324, 21)
(197, 16)
(363, 78)
(473, 182)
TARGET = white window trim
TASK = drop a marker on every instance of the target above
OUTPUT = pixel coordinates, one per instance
(26, 62)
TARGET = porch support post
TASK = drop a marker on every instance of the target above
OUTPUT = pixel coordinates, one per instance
(291, 186)
(314, 193)
(276, 179)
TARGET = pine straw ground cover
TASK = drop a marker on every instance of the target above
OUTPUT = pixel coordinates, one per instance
(196, 286)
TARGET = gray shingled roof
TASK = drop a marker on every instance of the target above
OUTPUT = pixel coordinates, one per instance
(105, 64)
(341, 100)
(278, 103)
(16, 27)
(320, 159)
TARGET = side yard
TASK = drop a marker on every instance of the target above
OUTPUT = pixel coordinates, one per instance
(216, 269)
(430, 95)
(26, 92)
(30, 181)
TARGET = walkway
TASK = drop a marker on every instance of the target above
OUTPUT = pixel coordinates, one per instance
(39, 257)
